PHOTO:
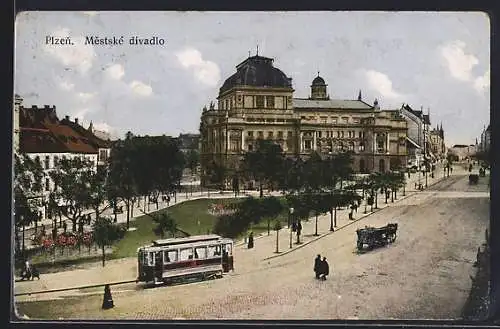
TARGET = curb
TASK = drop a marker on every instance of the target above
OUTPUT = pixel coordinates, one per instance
(348, 224)
(74, 288)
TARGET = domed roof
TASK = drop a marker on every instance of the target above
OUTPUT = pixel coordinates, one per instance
(318, 81)
(257, 71)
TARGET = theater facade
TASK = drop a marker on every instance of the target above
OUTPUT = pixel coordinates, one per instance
(257, 102)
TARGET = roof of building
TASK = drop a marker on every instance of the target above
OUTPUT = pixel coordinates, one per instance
(257, 71)
(318, 81)
(92, 139)
(73, 141)
(40, 141)
(330, 104)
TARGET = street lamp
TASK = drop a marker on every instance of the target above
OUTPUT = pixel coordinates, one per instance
(290, 225)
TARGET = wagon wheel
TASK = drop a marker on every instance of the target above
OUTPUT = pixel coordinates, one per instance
(393, 237)
(360, 245)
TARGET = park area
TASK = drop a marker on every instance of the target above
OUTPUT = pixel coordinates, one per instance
(191, 217)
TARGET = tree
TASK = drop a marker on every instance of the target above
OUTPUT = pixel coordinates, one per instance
(28, 187)
(217, 174)
(192, 160)
(165, 224)
(277, 227)
(105, 233)
(121, 183)
(73, 180)
(97, 192)
(319, 203)
(271, 207)
(264, 164)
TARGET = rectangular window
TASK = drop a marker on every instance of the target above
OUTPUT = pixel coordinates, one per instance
(102, 155)
(170, 256)
(250, 147)
(248, 100)
(345, 120)
(47, 162)
(280, 134)
(229, 249)
(334, 120)
(319, 134)
(307, 145)
(56, 160)
(342, 134)
(47, 184)
(289, 134)
(151, 259)
(259, 101)
(270, 134)
(270, 101)
(200, 253)
(360, 134)
(186, 254)
(324, 119)
(214, 251)
(250, 134)
(338, 134)
(261, 134)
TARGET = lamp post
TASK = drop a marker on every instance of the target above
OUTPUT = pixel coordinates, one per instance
(290, 226)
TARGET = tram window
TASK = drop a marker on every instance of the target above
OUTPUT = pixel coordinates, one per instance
(200, 253)
(170, 256)
(213, 251)
(186, 254)
(229, 248)
(151, 259)
(145, 258)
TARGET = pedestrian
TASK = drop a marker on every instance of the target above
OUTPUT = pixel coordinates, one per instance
(107, 301)
(317, 264)
(250, 240)
(324, 269)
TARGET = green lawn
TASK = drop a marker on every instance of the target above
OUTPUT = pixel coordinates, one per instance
(187, 216)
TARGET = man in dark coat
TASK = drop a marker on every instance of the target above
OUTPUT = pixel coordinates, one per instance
(250, 241)
(317, 264)
(324, 269)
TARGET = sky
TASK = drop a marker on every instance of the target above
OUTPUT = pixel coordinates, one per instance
(435, 61)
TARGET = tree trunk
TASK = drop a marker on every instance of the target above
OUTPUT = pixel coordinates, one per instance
(144, 206)
(268, 226)
(335, 217)
(277, 241)
(261, 191)
(392, 196)
(73, 222)
(316, 228)
(331, 220)
(128, 214)
(376, 201)
(132, 209)
(103, 257)
(23, 240)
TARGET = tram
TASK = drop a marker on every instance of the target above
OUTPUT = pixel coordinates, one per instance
(202, 256)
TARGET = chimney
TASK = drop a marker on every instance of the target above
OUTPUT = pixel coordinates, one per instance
(76, 120)
(67, 117)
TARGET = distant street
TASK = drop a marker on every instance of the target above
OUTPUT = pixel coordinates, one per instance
(424, 274)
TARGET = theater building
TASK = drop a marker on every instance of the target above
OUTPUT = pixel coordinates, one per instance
(257, 102)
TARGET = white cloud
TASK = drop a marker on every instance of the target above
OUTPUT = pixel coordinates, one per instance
(459, 63)
(115, 71)
(102, 126)
(482, 83)
(78, 56)
(381, 83)
(64, 85)
(80, 114)
(206, 72)
(86, 96)
(141, 88)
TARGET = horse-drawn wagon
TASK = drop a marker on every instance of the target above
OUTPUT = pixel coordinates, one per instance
(376, 237)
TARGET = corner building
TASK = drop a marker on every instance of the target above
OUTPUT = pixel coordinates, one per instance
(257, 102)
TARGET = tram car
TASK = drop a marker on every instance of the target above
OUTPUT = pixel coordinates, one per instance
(202, 257)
